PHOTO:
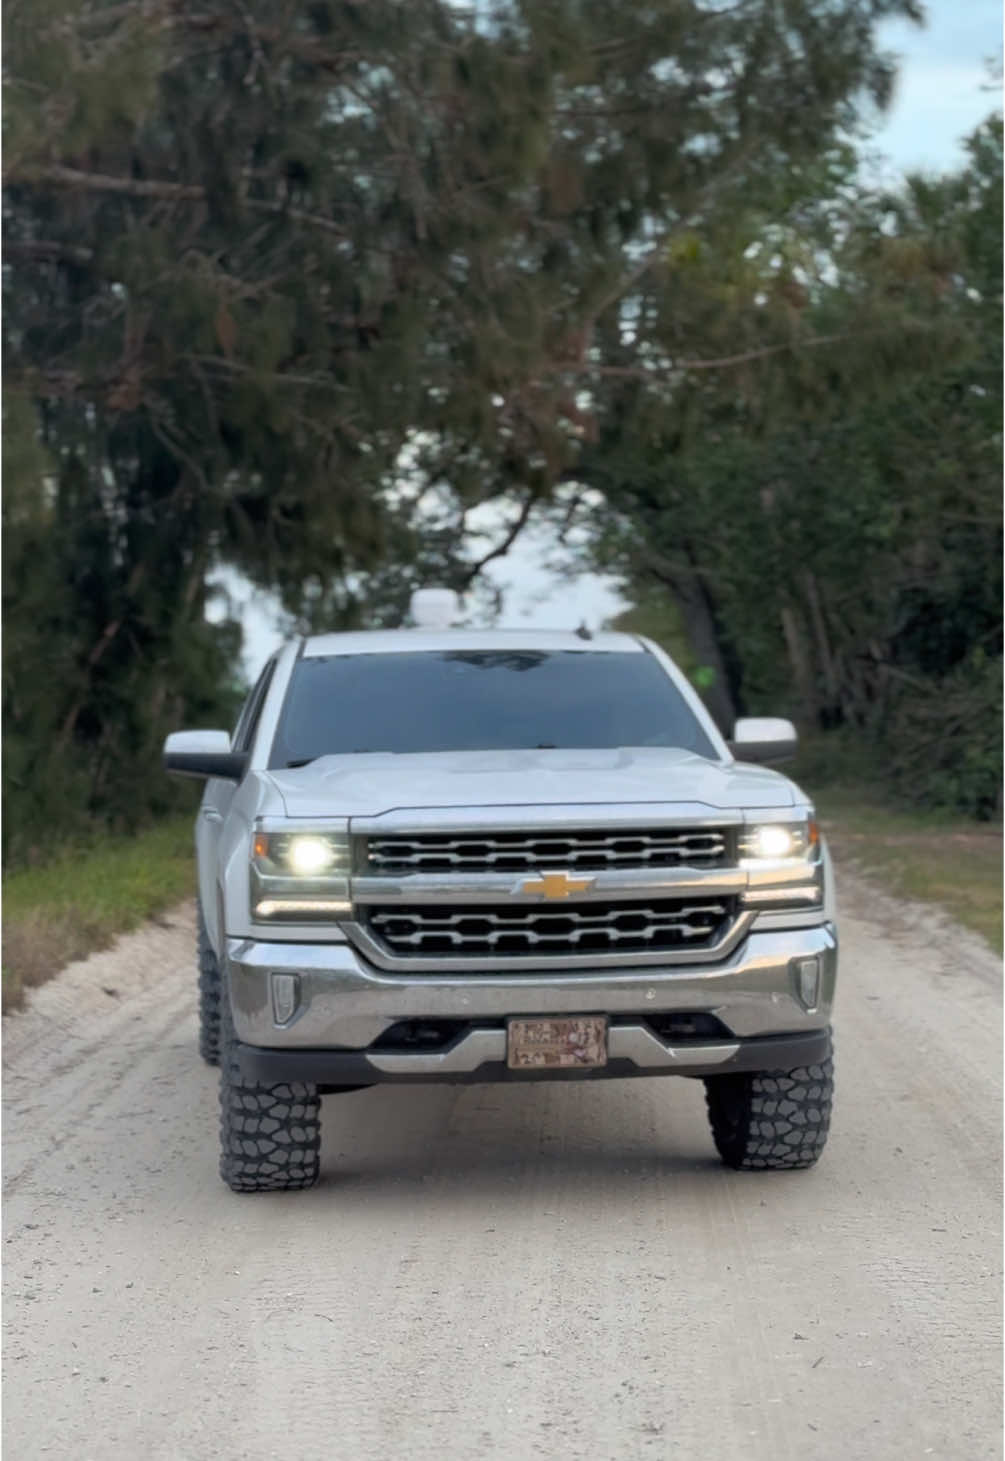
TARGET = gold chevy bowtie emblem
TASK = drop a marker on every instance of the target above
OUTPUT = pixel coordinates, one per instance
(555, 885)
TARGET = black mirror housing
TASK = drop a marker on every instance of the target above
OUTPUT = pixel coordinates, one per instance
(228, 765)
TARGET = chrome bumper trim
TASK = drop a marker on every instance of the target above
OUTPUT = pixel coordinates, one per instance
(345, 1003)
(633, 1043)
(649, 1052)
(471, 1051)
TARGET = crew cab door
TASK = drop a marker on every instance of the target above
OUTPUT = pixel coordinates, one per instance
(216, 803)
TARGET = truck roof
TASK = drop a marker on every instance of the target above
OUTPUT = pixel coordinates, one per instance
(412, 641)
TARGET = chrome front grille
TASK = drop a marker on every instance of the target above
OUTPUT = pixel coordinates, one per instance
(499, 930)
(457, 852)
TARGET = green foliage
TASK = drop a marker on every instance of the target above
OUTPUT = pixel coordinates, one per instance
(945, 745)
(106, 647)
(116, 881)
(256, 257)
(281, 246)
(831, 518)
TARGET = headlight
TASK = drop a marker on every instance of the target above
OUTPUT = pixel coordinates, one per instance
(300, 876)
(301, 854)
(779, 842)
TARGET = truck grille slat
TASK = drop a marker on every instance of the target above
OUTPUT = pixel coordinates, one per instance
(623, 927)
(518, 851)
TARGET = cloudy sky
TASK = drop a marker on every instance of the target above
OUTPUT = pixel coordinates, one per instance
(942, 93)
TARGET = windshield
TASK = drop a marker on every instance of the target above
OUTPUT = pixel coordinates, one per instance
(481, 700)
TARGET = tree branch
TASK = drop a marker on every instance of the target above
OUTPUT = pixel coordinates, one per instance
(501, 549)
(298, 215)
(761, 352)
(96, 182)
(47, 249)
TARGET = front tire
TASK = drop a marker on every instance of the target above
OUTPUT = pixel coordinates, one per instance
(773, 1120)
(270, 1136)
(209, 998)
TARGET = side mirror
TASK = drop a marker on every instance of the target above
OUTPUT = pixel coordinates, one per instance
(203, 753)
(764, 739)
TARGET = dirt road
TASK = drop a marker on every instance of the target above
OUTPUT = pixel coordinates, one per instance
(542, 1271)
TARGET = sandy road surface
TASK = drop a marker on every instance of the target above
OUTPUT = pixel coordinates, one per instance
(542, 1271)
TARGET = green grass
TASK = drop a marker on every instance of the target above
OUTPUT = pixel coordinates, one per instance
(82, 899)
(931, 856)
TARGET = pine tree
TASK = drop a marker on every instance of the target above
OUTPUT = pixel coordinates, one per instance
(255, 258)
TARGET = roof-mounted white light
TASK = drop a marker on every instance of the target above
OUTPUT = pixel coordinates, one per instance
(434, 608)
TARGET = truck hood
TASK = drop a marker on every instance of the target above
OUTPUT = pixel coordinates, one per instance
(372, 784)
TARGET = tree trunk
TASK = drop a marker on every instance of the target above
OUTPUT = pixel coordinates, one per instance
(799, 660)
(831, 688)
(703, 637)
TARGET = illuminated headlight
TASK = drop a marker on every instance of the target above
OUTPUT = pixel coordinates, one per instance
(779, 842)
(309, 856)
(300, 876)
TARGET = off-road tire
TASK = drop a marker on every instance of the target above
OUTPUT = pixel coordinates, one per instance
(270, 1136)
(209, 998)
(774, 1119)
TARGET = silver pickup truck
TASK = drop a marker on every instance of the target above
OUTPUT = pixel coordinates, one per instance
(438, 854)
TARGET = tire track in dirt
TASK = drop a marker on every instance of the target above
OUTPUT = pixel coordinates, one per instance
(507, 1272)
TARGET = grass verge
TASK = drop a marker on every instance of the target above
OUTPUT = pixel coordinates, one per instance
(83, 899)
(934, 857)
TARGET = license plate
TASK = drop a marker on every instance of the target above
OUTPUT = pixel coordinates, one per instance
(566, 1044)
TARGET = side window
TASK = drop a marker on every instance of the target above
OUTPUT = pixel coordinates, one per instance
(244, 735)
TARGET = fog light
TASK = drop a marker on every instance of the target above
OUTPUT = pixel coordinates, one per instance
(808, 982)
(285, 997)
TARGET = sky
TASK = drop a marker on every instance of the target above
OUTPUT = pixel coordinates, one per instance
(942, 89)
(942, 93)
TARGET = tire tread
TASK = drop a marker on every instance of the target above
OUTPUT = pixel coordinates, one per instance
(270, 1136)
(772, 1120)
(209, 997)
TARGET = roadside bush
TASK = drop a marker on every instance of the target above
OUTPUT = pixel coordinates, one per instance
(945, 747)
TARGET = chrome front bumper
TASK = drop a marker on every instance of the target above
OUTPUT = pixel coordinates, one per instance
(343, 1005)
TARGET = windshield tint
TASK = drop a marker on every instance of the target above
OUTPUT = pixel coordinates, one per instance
(481, 700)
